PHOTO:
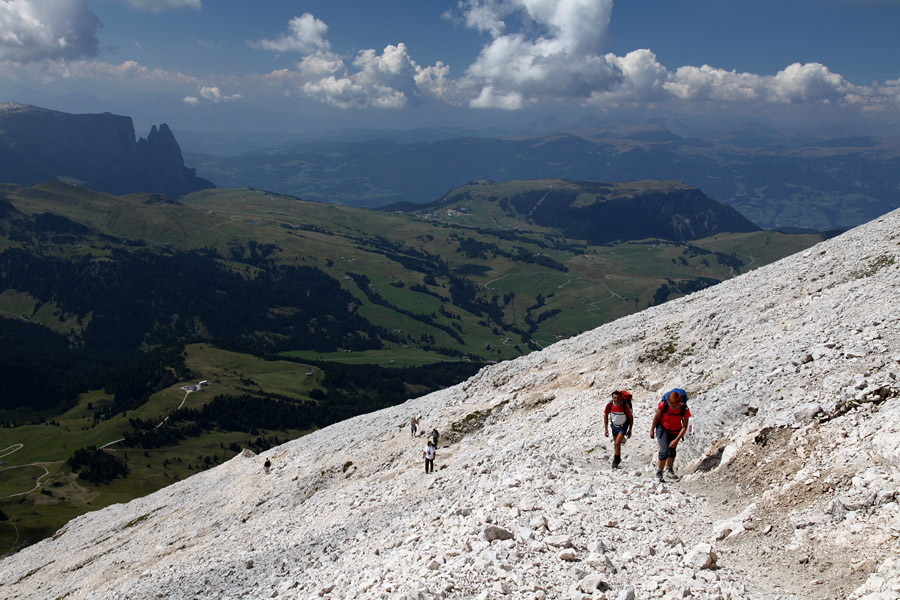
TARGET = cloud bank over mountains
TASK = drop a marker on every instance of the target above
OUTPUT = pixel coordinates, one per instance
(534, 53)
(556, 54)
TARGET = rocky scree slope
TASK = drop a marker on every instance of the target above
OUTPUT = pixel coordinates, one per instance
(789, 489)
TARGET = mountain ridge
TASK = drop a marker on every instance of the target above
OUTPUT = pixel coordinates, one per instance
(98, 151)
(802, 185)
(792, 466)
(600, 213)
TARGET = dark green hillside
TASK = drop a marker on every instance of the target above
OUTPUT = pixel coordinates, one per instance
(600, 213)
(296, 313)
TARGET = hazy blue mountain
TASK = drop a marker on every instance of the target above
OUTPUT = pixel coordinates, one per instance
(95, 150)
(772, 178)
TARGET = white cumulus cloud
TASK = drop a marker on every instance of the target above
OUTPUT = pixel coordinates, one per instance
(541, 52)
(32, 30)
(488, 98)
(306, 34)
(191, 100)
(390, 79)
(811, 82)
(709, 83)
(556, 55)
(385, 80)
(214, 94)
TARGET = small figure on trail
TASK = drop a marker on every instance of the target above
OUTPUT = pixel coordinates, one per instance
(429, 453)
(434, 437)
(670, 423)
(413, 425)
(627, 398)
(619, 412)
(267, 465)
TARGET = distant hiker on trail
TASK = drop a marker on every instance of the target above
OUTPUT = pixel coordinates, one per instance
(626, 398)
(429, 453)
(617, 411)
(267, 465)
(413, 425)
(434, 437)
(670, 423)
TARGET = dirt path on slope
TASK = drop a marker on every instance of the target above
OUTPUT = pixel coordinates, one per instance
(760, 483)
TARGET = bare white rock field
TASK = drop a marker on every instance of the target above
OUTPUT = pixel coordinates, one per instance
(789, 488)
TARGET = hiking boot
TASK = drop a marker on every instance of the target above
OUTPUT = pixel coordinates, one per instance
(659, 476)
(616, 460)
(671, 475)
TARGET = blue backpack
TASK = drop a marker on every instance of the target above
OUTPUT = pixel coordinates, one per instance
(684, 399)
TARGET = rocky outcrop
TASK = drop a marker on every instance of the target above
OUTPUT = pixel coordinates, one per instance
(789, 486)
(98, 151)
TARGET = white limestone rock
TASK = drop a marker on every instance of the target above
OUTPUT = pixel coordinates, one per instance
(701, 556)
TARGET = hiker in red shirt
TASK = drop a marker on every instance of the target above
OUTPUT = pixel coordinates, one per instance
(670, 423)
(619, 413)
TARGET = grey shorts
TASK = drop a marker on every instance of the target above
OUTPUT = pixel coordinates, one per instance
(665, 438)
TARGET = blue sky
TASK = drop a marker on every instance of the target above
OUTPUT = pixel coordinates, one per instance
(311, 65)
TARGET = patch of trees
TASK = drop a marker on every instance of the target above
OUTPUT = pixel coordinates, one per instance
(132, 383)
(307, 227)
(473, 248)
(348, 391)
(527, 256)
(256, 254)
(729, 260)
(533, 323)
(142, 298)
(131, 301)
(55, 229)
(260, 444)
(363, 283)
(42, 369)
(685, 286)
(412, 259)
(247, 413)
(465, 295)
(96, 466)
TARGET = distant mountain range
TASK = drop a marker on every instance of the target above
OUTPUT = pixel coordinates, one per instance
(773, 181)
(98, 151)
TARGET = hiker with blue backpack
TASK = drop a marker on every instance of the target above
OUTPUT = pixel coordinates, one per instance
(619, 412)
(670, 423)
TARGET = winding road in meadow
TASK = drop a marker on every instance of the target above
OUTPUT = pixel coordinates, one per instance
(37, 483)
(158, 425)
(14, 448)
